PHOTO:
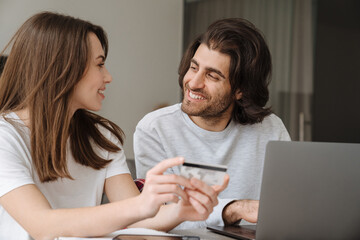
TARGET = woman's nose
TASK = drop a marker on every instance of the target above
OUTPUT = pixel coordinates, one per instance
(108, 77)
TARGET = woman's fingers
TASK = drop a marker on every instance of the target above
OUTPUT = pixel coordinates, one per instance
(203, 202)
(204, 197)
(155, 175)
(160, 188)
(161, 167)
(174, 189)
(168, 197)
(220, 188)
(169, 178)
(204, 188)
(198, 206)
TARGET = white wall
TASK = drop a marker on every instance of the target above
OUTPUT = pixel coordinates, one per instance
(145, 39)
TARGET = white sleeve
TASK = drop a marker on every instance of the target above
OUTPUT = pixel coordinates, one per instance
(118, 164)
(15, 163)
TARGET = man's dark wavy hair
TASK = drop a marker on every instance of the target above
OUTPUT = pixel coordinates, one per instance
(250, 65)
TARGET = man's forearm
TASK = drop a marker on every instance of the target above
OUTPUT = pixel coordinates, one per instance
(231, 213)
(241, 209)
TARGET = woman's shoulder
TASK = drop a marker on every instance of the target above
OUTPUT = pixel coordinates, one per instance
(10, 124)
(14, 136)
(107, 133)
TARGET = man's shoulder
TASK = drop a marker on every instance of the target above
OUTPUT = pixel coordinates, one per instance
(271, 127)
(272, 119)
(270, 123)
(165, 114)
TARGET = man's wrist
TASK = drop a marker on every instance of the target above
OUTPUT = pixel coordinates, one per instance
(246, 209)
(231, 214)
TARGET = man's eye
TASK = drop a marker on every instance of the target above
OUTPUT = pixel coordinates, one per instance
(213, 77)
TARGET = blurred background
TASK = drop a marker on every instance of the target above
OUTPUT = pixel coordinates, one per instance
(314, 45)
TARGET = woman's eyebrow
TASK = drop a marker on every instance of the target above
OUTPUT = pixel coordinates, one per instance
(102, 57)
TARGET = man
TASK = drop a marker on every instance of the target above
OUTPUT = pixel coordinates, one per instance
(222, 119)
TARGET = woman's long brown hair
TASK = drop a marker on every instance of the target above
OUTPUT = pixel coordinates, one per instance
(48, 57)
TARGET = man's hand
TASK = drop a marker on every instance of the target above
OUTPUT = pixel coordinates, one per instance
(241, 209)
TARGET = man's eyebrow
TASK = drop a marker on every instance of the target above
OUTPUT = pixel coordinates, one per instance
(210, 69)
(195, 62)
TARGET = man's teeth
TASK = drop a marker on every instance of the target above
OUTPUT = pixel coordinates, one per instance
(195, 96)
(101, 91)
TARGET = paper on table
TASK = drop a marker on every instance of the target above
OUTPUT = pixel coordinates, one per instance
(128, 231)
(80, 238)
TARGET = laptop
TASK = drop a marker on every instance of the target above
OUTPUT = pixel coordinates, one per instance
(310, 190)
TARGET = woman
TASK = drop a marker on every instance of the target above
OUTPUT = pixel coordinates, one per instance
(57, 157)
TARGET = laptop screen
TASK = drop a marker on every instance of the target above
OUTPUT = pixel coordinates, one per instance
(310, 190)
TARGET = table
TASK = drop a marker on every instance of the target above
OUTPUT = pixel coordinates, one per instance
(203, 233)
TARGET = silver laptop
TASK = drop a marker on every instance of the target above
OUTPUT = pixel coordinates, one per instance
(310, 190)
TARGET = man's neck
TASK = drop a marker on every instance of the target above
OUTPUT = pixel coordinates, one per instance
(216, 124)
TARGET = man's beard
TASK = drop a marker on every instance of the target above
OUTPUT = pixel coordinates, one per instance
(215, 108)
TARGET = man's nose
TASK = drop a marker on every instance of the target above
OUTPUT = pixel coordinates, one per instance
(197, 81)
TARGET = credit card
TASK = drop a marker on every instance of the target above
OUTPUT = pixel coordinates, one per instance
(211, 174)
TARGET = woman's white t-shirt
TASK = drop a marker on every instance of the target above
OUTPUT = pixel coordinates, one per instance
(16, 170)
